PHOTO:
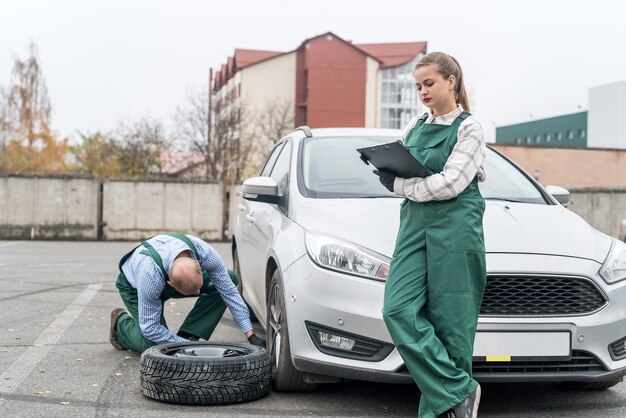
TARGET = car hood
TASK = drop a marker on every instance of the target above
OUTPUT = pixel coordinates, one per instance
(509, 227)
(541, 229)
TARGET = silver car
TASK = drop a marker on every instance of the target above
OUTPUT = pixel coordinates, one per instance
(313, 240)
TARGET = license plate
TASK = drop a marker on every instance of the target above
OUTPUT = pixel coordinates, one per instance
(511, 346)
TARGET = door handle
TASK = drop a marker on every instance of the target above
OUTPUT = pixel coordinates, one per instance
(250, 218)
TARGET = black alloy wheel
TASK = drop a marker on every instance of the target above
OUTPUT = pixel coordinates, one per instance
(286, 378)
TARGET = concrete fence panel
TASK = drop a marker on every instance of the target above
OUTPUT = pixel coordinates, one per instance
(134, 210)
(604, 209)
(48, 208)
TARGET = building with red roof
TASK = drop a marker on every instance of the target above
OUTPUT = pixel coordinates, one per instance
(326, 81)
(329, 82)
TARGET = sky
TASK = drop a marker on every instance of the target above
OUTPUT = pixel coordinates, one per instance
(114, 61)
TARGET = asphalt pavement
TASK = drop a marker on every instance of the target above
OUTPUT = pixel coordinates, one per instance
(56, 360)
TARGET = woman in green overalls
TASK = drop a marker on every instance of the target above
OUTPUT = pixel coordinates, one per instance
(437, 276)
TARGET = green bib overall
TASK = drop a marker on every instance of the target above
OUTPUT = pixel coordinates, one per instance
(437, 279)
(201, 320)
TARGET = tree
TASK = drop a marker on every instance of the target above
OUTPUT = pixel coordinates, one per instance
(27, 140)
(274, 120)
(132, 150)
(97, 155)
(140, 146)
(219, 143)
(239, 137)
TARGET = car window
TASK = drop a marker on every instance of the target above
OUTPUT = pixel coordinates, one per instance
(269, 163)
(505, 182)
(331, 167)
(281, 167)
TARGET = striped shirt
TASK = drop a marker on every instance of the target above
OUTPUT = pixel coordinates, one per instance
(143, 274)
(463, 165)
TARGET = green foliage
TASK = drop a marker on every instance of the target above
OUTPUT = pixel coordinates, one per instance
(131, 151)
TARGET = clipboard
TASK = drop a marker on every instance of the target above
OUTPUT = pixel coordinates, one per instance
(394, 158)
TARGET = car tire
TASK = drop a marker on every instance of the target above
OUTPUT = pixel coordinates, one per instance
(237, 270)
(591, 385)
(286, 378)
(205, 373)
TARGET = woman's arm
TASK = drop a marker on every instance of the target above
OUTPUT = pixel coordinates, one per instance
(463, 164)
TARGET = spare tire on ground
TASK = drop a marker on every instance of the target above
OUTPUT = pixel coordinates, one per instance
(205, 373)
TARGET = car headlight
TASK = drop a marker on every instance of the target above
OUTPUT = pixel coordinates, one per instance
(614, 268)
(346, 257)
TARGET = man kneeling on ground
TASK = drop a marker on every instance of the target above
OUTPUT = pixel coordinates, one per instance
(174, 266)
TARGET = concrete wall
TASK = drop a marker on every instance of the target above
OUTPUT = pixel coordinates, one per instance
(134, 210)
(604, 209)
(67, 208)
(48, 208)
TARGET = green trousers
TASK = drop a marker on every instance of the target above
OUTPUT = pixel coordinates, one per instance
(201, 320)
(432, 299)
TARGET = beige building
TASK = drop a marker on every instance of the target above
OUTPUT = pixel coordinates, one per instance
(325, 82)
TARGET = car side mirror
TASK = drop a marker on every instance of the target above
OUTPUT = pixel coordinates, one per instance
(560, 194)
(260, 189)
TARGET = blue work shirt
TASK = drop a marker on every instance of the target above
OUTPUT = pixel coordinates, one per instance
(144, 274)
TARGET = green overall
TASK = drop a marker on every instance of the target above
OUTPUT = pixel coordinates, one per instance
(437, 279)
(202, 319)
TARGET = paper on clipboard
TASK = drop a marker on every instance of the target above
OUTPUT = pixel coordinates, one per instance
(394, 158)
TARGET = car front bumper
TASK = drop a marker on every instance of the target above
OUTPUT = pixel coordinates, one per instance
(353, 306)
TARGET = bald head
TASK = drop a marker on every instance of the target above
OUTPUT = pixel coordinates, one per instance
(185, 276)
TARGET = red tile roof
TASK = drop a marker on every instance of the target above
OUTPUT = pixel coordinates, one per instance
(246, 57)
(394, 54)
(389, 54)
(175, 162)
(348, 43)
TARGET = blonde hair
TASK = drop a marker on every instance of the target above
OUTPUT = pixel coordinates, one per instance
(447, 66)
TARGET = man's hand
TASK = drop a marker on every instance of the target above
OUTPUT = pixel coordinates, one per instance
(254, 340)
(387, 179)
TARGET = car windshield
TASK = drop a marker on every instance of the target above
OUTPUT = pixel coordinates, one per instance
(331, 168)
(505, 182)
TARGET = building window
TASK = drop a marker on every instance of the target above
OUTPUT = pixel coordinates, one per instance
(537, 139)
(558, 136)
(570, 134)
(582, 133)
(518, 141)
(399, 101)
(528, 140)
(547, 137)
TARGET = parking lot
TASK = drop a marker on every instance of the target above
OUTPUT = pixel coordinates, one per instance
(56, 360)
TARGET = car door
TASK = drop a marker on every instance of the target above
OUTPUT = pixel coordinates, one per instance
(264, 221)
(246, 209)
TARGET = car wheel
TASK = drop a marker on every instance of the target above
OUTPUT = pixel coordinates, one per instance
(205, 373)
(591, 385)
(237, 270)
(286, 378)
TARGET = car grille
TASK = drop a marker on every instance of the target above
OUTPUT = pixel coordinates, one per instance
(540, 295)
(580, 361)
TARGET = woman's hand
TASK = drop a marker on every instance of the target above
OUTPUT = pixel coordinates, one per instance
(387, 179)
